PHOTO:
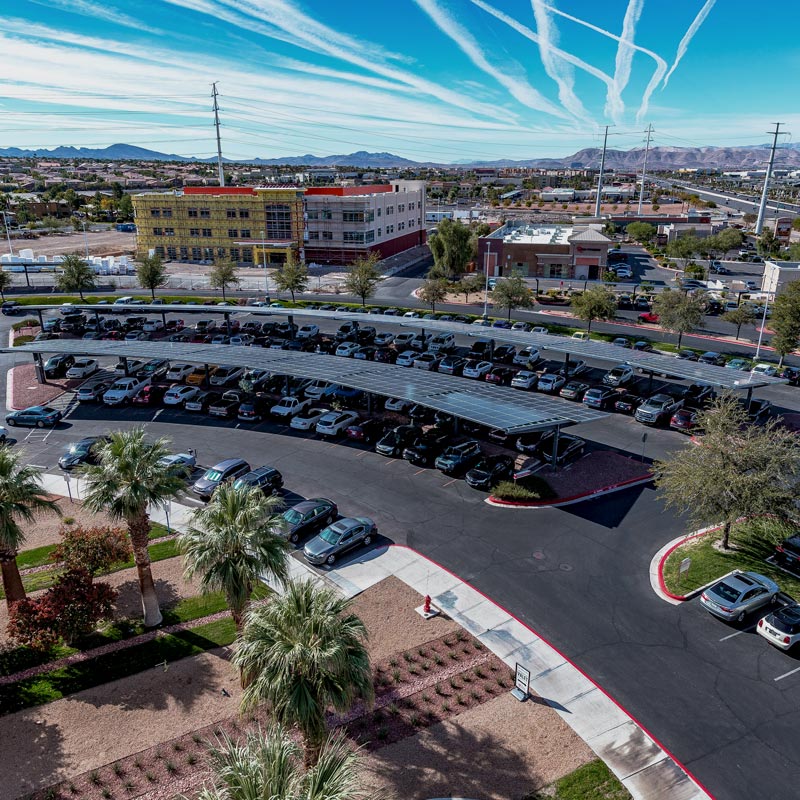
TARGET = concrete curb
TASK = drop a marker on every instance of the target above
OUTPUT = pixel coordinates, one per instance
(568, 501)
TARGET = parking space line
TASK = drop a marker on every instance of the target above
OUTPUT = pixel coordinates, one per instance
(363, 453)
(157, 414)
(449, 483)
(787, 674)
(420, 470)
(738, 633)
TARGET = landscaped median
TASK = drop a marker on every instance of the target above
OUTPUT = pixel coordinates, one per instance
(752, 543)
(598, 473)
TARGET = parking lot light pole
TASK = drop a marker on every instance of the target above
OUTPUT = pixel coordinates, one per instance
(761, 329)
(264, 261)
(8, 233)
(486, 287)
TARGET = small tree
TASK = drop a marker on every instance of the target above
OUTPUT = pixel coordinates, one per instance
(595, 303)
(451, 247)
(683, 248)
(92, 549)
(292, 276)
(76, 275)
(512, 293)
(151, 273)
(6, 280)
(433, 291)
(743, 315)
(642, 232)
(363, 276)
(222, 275)
(679, 312)
(470, 284)
(738, 470)
(786, 320)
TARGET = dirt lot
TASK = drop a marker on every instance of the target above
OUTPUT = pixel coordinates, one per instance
(101, 243)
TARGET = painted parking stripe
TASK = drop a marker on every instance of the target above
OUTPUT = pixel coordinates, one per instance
(738, 633)
(449, 482)
(419, 470)
(787, 674)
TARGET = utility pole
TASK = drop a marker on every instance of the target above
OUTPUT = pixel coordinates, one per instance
(486, 288)
(649, 132)
(763, 205)
(600, 176)
(216, 125)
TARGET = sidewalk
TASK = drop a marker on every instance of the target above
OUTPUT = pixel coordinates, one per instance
(647, 770)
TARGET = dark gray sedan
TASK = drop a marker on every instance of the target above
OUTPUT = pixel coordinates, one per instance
(338, 538)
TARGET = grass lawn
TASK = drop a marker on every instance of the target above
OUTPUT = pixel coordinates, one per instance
(753, 541)
(592, 781)
(57, 684)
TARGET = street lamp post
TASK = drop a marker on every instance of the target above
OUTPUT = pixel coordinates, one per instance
(8, 233)
(761, 329)
(264, 261)
(85, 240)
(486, 287)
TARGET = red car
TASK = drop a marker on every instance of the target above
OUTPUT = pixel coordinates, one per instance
(114, 335)
(684, 420)
(150, 395)
(649, 316)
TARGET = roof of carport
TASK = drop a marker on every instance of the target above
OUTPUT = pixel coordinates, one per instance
(500, 407)
(665, 365)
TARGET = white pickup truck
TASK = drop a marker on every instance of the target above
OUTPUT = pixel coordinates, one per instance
(123, 390)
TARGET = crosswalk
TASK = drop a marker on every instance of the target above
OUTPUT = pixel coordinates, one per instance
(66, 402)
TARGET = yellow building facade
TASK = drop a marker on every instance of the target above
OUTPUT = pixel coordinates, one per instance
(246, 225)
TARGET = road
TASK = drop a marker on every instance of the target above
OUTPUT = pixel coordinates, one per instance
(718, 697)
(735, 201)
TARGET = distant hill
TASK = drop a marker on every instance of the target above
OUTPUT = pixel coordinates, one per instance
(660, 158)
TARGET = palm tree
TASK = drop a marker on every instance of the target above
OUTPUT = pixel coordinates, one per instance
(126, 481)
(265, 765)
(22, 497)
(233, 542)
(301, 654)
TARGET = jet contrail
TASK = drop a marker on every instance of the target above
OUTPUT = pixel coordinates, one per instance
(624, 60)
(683, 46)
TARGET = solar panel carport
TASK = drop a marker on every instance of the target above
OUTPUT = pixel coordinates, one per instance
(648, 363)
(499, 407)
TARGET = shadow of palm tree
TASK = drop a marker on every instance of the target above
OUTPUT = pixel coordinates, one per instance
(33, 755)
(129, 598)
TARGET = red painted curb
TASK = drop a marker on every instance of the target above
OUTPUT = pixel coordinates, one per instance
(668, 553)
(570, 662)
(573, 498)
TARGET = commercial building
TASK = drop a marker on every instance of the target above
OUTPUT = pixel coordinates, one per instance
(545, 251)
(777, 276)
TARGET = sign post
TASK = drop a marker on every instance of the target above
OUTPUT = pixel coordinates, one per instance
(684, 568)
(644, 442)
(522, 682)
(69, 491)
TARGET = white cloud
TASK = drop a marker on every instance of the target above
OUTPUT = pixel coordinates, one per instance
(104, 12)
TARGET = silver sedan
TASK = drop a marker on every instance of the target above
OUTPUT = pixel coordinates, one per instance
(739, 593)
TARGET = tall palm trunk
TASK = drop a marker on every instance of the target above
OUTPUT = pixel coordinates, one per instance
(12, 581)
(138, 530)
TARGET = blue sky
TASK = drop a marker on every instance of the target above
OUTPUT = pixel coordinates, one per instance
(440, 80)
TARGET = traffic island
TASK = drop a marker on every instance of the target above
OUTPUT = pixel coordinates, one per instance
(598, 473)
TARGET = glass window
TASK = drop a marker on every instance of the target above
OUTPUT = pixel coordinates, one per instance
(233, 233)
(195, 254)
(247, 255)
(208, 253)
(380, 232)
(205, 213)
(207, 232)
(169, 231)
(244, 213)
(327, 235)
(172, 252)
(194, 231)
(353, 237)
(191, 212)
(230, 213)
(245, 233)
(352, 216)
(220, 252)
(184, 253)
(279, 220)
(160, 252)
(158, 231)
(389, 210)
(369, 236)
(312, 215)
(326, 213)
(234, 253)
(313, 234)
(155, 212)
(166, 212)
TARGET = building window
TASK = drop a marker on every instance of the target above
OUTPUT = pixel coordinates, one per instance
(230, 213)
(172, 253)
(244, 213)
(245, 233)
(247, 255)
(158, 231)
(370, 236)
(166, 212)
(234, 253)
(353, 237)
(205, 213)
(313, 234)
(184, 253)
(352, 216)
(233, 233)
(208, 253)
(191, 212)
(312, 215)
(221, 252)
(380, 232)
(160, 252)
(169, 231)
(155, 212)
(326, 213)
(389, 210)
(207, 233)
(194, 231)
(327, 235)
(195, 254)
(379, 212)
(401, 208)
(279, 220)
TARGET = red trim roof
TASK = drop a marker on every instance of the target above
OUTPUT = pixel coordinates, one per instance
(349, 191)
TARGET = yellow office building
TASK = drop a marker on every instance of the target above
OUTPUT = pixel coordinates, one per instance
(245, 225)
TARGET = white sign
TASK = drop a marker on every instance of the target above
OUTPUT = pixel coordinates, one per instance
(522, 681)
(685, 564)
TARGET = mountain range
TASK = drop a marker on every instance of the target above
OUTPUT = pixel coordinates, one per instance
(659, 158)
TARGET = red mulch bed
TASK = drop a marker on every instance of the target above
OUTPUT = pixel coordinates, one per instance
(594, 471)
(28, 392)
(413, 690)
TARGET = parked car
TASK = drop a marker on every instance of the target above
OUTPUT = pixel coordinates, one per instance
(687, 355)
(649, 317)
(181, 464)
(684, 420)
(58, 366)
(226, 376)
(698, 395)
(458, 458)
(334, 423)
(787, 553)
(123, 390)
(424, 449)
(489, 471)
(383, 339)
(738, 594)
(504, 354)
(569, 448)
(177, 372)
(227, 405)
(550, 383)
(201, 401)
(574, 390)
(268, 479)
(428, 361)
(452, 365)
(339, 538)
(525, 380)
(599, 397)
(757, 407)
(781, 627)
(527, 357)
(366, 430)
(657, 409)
(643, 347)
(150, 395)
(153, 326)
(712, 358)
(574, 368)
(621, 341)
(178, 395)
(308, 419)
(308, 516)
(621, 375)
(82, 452)
(500, 376)
(347, 349)
(397, 439)
(223, 472)
(309, 331)
(198, 376)
(627, 402)
(83, 368)
(92, 393)
(290, 406)
(406, 358)
(155, 368)
(742, 364)
(34, 417)
(769, 370)
(397, 404)
(476, 369)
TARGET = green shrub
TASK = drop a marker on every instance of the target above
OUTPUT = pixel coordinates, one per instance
(20, 340)
(25, 323)
(530, 488)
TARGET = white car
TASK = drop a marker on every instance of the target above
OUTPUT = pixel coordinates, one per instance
(224, 376)
(316, 389)
(525, 356)
(477, 369)
(550, 382)
(525, 380)
(384, 339)
(577, 366)
(539, 329)
(134, 365)
(83, 368)
(411, 315)
(177, 372)
(781, 627)
(289, 406)
(347, 349)
(153, 326)
(397, 405)
(124, 390)
(770, 370)
(580, 336)
(624, 272)
(177, 395)
(308, 419)
(407, 358)
(334, 423)
(428, 361)
(241, 340)
(621, 375)
(308, 332)
(404, 339)
(178, 462)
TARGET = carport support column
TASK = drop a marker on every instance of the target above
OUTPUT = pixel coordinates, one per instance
(555, 449)
(41, 318)
(491, 350)
(650, 383)
(39, 366)
(125, 365)
(566, 373)
(749, 396)
(206, 379)
(228, 324)
(290, 320)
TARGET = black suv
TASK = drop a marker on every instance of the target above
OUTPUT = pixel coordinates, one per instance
(268, 479)
(787, 553)
(396, 440)
(423, 451)
(57, 366)
(490, 471)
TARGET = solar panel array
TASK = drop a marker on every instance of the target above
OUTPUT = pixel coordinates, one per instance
(502, 407)
(668, 366)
